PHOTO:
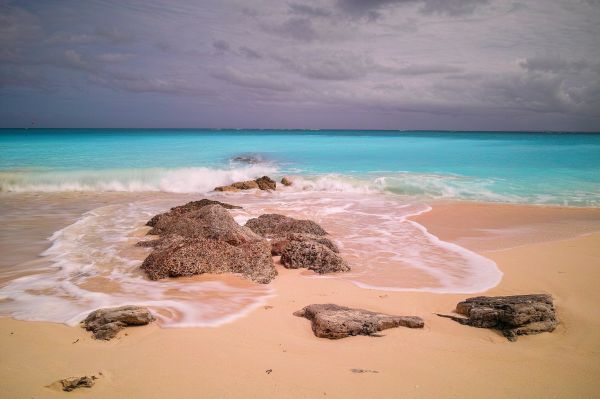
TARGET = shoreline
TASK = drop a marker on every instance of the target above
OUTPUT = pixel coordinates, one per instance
(187, 362)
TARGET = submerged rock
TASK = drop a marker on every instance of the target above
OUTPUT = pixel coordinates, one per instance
(314, 256)
(71, 383)
(335, 322)
(279, 244)
(210, 221)
(248, 159)
(106, 323)
(262, 183)
(180, 256)
(513, 315)
(273, 225)
(286, 181)
(189, 207)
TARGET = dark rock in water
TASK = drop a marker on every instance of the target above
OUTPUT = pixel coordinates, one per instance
(286, 181)
(189, 207)
(249, 159)
(211, 221)
(513, 315)
(313, 256)
(274, 225)
(71, 383)
(262, 183)
(266, 183)
(334, 322)
(106, 323)
(279, 244)
(179, 256)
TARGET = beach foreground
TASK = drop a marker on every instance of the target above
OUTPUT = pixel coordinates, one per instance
(444, 359)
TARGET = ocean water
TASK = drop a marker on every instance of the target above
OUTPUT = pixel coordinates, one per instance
(361, 186)
(543, 168)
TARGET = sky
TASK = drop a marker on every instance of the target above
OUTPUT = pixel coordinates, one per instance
(330, 64)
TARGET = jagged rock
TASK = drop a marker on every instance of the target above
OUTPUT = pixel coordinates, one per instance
(334, 322)
(266, 183)
(513, 315)
(211, 221)
(189, 207)
(106, 323)
(279, 244)
(71, 383)
(179, 256)
(286, 182)
(273, 225)
(262, 183)
(314, 256)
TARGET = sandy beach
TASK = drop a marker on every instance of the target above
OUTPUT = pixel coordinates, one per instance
(444, 359)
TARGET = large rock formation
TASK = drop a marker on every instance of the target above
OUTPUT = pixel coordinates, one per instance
(210, 221)
(262, 183)
(334, 322)
(175, 212)
(179, 256)
(273, 225)
(313, 256)
(513, 315)
(106, 323)
(280, 243)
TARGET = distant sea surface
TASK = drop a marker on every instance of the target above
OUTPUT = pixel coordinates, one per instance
(515, 167)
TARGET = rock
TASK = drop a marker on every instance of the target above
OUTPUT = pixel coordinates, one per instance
(211, 221)
(280, 243)
(106, 323)
(262, 183)
(335, 322)
(513, 315)
(71, 383)
(180, 256)
(314, 256)
(274, 225)
(148, 243)
(286, 181)
(266, 183)
(248, 159)
(189, 207)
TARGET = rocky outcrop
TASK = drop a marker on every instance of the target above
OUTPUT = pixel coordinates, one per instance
(286, 181)
(106, 323)
(248, 159)
(71, 383)
(210, 221)
(273, 225)
(177, 211)
(513, 315)
(179, 256)
(313, 256)
(335, 322)
(262, 183)
(279, 244)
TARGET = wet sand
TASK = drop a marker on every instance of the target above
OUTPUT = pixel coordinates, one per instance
(444, 359)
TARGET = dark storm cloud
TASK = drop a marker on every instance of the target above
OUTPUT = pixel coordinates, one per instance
(480, 64)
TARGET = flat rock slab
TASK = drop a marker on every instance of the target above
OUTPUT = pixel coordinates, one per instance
(262, 183)
(513, 315)
(106, 323)
(335, 322)
(273, 225)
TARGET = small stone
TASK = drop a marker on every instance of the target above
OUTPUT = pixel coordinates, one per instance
(106, 323)
(69, 384)
(286, 181)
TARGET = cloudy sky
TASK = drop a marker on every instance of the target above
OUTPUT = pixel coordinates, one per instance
(379, 64)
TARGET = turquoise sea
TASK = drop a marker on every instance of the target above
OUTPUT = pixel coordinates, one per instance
(517, 167)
